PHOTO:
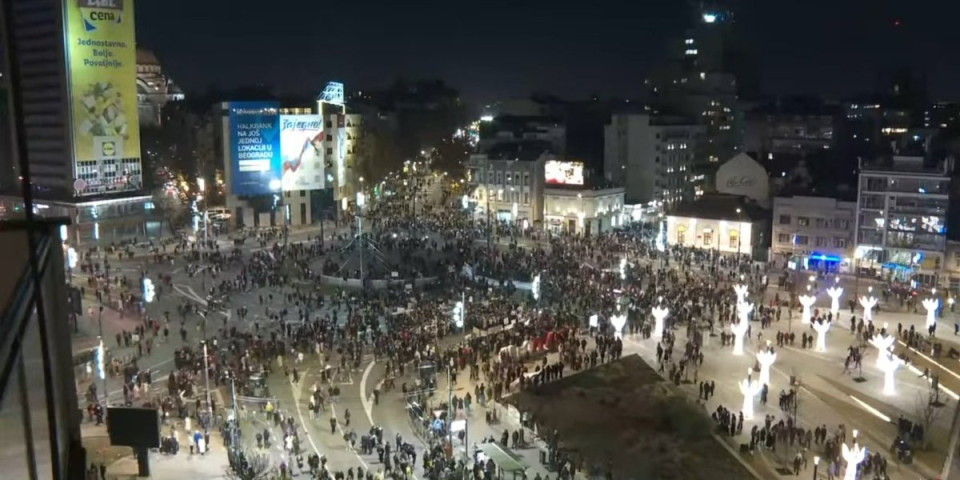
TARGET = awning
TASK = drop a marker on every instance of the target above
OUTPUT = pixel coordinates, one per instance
(506, 460)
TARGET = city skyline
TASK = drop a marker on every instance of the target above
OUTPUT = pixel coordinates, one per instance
(831, 49)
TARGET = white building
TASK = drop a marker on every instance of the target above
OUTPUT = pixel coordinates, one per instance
(901, 220)
(726, 224)
(582, 210)
(742, 175)
(154, 89)
(508, 185)
(653, 157)
(815, 233)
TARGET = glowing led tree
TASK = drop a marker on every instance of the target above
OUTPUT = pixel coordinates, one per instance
(623, 269)
(883, 344)
(535, 288)
(889, 363)
(822, 328)
(741, 291)
(766, 358)
(618, 321)
(868, 303)
(853, 456)
(806, 301)
(834, 293)
(659, 315)
(739, 328)
(931, 304)
(749, 388)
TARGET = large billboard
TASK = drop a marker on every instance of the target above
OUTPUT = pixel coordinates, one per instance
(102, 71)
(563, 173)
(301, 148)
(254, 148)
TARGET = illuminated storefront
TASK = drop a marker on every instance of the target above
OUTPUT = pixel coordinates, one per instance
(726, 224)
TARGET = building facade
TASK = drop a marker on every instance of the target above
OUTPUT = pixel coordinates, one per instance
(508, 190)
(154, 88)
(653, 157)
(901, 219)
(742, 175)
(814, 233)
(584, 211)
(725, 224)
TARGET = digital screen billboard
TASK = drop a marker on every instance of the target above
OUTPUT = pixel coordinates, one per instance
(563, 173)
(254, 148)
(102, 70)
(301, 148)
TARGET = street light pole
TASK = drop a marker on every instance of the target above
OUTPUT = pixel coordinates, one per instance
(206, 380)
(739, 240)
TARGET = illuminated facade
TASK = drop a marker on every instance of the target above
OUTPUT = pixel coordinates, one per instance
(508, 185)
(582, 210)
(901, 219)
(726, 224)
(813, 233)
(154, 89)
(653, 157)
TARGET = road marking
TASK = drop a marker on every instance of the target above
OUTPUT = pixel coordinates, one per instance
(367, 405)
(333, 409)
(294, 389)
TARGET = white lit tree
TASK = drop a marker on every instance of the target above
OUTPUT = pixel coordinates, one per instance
(739, 327)
(853, 456)
(741, 291)
(868, 303)
(659, 315)
(931, 305)
(821, 328)
(749, 388)
(889, 363)
(618, 321)
(834, 293)
(806, 301)
(766, 358)
(883, 344)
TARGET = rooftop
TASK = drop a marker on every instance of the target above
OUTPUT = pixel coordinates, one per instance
(907, 164)
(528, 150)
(720, 206)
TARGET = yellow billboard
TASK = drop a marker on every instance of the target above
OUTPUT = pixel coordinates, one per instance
(102, 68)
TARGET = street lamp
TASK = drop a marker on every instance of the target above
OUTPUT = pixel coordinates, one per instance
(739, 231)
(206, 380)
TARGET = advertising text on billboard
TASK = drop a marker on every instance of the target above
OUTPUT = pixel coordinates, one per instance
(301, 148)
(102, 68)
(254, 148)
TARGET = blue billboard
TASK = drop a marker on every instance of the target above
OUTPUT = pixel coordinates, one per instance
(256, 165)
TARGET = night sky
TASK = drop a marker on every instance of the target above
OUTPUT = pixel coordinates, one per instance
(491, 49)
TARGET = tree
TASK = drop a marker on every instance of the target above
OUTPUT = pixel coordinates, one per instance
(927, 413)
(169, 207)
(248, 465)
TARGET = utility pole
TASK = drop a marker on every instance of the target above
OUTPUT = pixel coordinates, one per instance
(236, 414)
(206, 379)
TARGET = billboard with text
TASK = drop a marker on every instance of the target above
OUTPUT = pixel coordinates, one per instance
(301, 150)
(563, 173)
(254, 148)
(102, 70)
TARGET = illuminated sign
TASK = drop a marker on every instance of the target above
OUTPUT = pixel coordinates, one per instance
(254, 148)
(563, 173)
(102, 71)
(301, 150)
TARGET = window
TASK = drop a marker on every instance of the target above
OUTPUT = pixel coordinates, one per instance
(682, 234)
(802, 240)
(783, 238)
(803, 221)
(329, 151)
(841, 224)
(784, 219)
(526, 198)
(526, 179)
(734, 239)
(840, 243)
(821, 242)
(821, 223)
(303, 193)
(509, 178)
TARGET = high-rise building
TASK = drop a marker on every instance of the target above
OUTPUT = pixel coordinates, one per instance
(73, 66)
(653, 157)
(901, 219)
(77, 68)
